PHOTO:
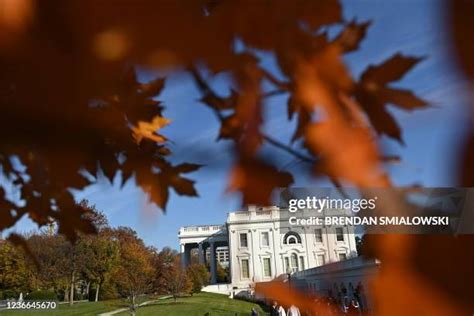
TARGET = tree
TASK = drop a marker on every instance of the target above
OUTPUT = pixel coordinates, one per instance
(102, 255)
(177, 281)
(135, 271)
(162, 262)
(54, 263)
(15, 271)
(222, 273)
(199, 276)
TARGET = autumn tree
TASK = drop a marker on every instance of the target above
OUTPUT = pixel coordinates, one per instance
(135, 271)
(15, 272)
(199, 276)
(53, 269)
(177, 281)
(102, 255)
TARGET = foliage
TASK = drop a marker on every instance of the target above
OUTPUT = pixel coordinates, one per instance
(222, 273)
(177, 281)
(91, 113)
(15, 271)
(42, 295)
(199, 276)
(162, 262)
(135, 271)
(51, 252)
(9, 294)
(102, 256)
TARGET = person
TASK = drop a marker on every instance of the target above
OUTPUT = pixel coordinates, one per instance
(281, 311)
(353, 309)
(254, 312)
(274, 309)
(293, 311)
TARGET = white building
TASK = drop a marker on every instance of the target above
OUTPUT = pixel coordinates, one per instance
(262, 245)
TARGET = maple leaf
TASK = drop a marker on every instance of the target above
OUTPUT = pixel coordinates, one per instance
(72, 217)
(19, 241)
(157, 185)
(304, 117)
(467, 170)
(374, 95)
(256, 180)
(462, 24)
(7, 219)
(351, 36)
(152, 88)
(220, 103)
(149, 130)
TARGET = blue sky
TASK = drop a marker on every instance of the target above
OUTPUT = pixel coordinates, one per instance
(432, 136)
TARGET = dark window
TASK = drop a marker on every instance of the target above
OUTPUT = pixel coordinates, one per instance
(243, 240)
(339, 234)
(291, 238)
(318, 235)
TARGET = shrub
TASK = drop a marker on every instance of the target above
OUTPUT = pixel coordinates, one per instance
(7, 294)
(42, 295)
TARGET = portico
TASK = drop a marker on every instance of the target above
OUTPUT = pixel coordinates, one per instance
(206, 238)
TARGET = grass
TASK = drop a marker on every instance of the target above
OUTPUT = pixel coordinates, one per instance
(198, 304)
(82, 308)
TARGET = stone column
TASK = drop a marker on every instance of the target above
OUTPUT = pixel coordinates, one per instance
(183, 255)
(212, 258)
(200, 253)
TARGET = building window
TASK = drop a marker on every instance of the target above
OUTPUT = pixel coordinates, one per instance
(302, 263)
(321, 260)
(339, 234)
(267, 269)
(287, 265)
(342, 256)
(291, 238)
(318, 235)
(243, 240)
(245, 268)
(294, 262)
(265, 239)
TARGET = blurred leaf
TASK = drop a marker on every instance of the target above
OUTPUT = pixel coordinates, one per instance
(256, 180)
(462, 24)
(351, 36)
(374, 95)
(149, 130)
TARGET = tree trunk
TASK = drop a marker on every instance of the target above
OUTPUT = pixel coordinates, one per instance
(134, 307)
(88, 286)
(71, 295)
(66, 294)
(97, 292)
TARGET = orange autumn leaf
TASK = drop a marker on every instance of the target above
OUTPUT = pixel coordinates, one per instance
(256, 180)
(374, 94)
(150, 130)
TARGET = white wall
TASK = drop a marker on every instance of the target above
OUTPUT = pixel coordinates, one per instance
(257, 220)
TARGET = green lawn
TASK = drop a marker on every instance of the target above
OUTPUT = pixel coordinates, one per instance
(199, 304)
(85, 308)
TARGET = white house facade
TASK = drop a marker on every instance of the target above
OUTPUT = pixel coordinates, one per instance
(262, 246)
